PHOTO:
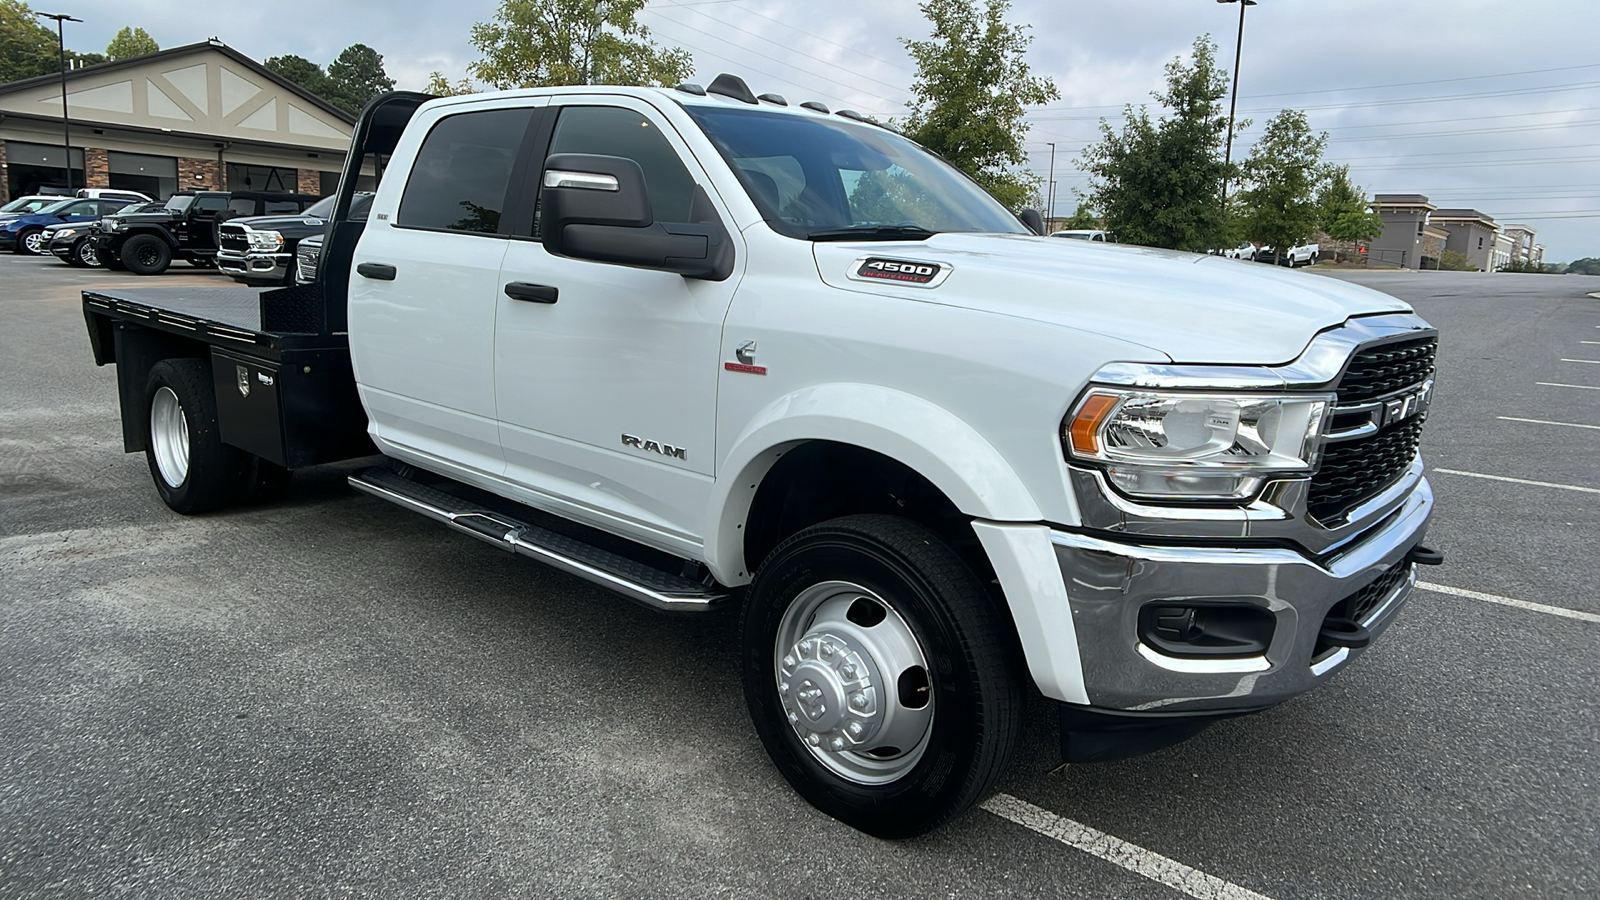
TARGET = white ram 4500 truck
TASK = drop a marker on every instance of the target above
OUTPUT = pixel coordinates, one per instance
(709, 349)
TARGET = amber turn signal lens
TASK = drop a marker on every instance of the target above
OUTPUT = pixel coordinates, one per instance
(1086, 424)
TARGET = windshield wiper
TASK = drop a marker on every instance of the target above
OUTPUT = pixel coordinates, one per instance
(872, 233)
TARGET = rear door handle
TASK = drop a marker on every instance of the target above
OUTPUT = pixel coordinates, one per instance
(533, 293)
(378, 271)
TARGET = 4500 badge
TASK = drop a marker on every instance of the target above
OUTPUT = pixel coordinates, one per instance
(912, 272)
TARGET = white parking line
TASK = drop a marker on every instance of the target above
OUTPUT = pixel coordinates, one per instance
(1590, 342)
(1592, 362)
(1547, 422)
(1507, 601)
(1548, 484)
(1587, 387)
(1132, 857)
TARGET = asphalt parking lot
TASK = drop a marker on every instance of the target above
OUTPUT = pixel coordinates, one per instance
(332, 697)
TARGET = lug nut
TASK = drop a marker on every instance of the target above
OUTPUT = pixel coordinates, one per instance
(848, 671)
(788, 662)
(793, 718)
(859, 701)
(828, 650)
(856, 729)
(814, 739)
(837, 743)
(783, 687)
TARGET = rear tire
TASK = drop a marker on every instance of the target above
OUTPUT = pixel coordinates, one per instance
(193, 470)
(878, 675)
(146, 254)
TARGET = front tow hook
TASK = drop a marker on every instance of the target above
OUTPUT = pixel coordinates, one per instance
(1344, 633)
(1425, 556)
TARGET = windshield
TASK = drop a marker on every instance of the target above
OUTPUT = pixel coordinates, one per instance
(28, 204)
(55, 207)
(177, 203)
(818, 179)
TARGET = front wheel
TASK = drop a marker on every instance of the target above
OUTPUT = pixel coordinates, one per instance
(146, 254)
(193, 470)
(31, 243)
(878, 674)
(83, 254)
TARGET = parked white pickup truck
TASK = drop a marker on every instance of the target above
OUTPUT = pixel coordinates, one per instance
(705, 349)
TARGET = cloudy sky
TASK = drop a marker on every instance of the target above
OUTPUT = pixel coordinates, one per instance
(1487, 104)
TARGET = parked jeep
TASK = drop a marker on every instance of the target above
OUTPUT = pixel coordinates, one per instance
(261, 250)
(185, 228)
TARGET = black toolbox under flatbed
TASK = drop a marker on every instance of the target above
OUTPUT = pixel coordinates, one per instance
(284, 386)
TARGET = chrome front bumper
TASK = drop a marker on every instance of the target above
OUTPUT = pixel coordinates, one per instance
(254, 266)
(1111, 577)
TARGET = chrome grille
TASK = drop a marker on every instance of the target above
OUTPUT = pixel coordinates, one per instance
(1386, 368)
(306, 263)
(232, 237)
(1353, 471)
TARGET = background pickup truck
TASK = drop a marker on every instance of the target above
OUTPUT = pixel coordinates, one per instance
(260, 250)
(146, 242)
(708, 351)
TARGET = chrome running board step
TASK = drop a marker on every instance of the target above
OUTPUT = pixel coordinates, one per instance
(637, 581)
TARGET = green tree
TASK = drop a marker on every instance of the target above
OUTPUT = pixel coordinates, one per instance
(355, 77)
(1588, 265)
(1159, 181)
(27, 48)
(539, 43)
(131, 42)
(1342, 208)
(301, 71)
(1080, 220)
(1282, 173)
(440, 86)
(1455, 261)
(972, 90)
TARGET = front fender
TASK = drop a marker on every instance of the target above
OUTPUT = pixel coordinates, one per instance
(930, 440)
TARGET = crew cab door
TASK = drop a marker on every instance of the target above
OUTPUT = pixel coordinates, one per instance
(424, 284)
(606, 375)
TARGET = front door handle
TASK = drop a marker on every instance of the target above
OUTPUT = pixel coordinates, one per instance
(533, 293)
(378, 271)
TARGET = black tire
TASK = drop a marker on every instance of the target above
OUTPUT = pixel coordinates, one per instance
(32, 234)
(976, 695)
(83, 255)
(261, 481)
(210, 475)
(146, 254)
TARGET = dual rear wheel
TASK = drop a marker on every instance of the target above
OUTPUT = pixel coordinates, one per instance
(194, 471)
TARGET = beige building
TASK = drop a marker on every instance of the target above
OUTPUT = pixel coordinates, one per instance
(202, 116)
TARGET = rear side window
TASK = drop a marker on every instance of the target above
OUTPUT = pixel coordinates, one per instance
(281, 208)
(459, 180)
(613, 131)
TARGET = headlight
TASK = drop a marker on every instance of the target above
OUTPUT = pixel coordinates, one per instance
(1179, 446)
(66, 232)
(265, 240)
(113, 224)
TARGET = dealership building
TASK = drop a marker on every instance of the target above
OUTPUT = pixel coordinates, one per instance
(198, 117)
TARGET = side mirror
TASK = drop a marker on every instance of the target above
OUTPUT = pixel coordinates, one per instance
(598, 208)
(1032, 219)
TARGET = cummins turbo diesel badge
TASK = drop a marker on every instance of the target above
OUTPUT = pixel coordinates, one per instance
(900, 270)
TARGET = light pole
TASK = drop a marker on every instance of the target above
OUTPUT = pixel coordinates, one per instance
(1050, 202)
(61, 47)
(1233, 101)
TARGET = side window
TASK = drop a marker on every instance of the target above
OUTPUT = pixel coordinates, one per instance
(83, 208)
(613, 131)
(458, 182)
(281, 208)
(212, 203)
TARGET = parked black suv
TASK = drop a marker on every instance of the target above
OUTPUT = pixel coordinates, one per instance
(261, 250)
(146, 243)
